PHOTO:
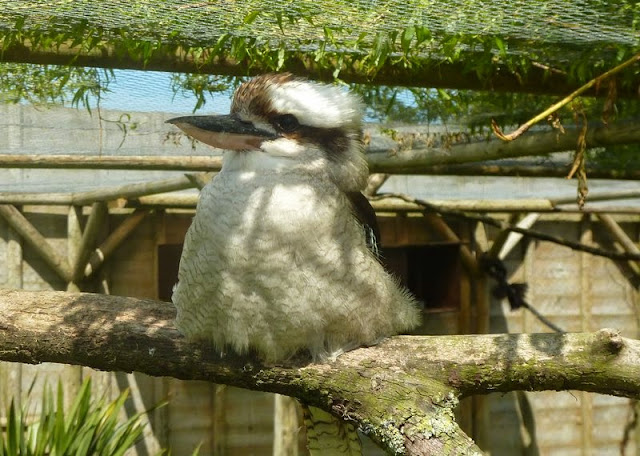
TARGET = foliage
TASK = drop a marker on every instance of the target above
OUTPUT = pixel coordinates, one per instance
(202, 85)
(78, 86)
(51, 84)
(483, 37)
(86, 428)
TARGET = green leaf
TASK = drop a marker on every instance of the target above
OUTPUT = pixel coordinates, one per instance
(328, 34)
(279, 21)
(251, 17)
(380, 50)
(281, 56)
(89, 427)
(13, 430)
(502, 48)
(406, 37)
(422, 34)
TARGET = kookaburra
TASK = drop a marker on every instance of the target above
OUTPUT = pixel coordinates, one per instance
(278, 258)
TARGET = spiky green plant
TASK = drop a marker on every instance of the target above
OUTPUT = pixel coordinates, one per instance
(88, 427)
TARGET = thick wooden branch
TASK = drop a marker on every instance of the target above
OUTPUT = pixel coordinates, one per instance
(401, 392)
(430, 73)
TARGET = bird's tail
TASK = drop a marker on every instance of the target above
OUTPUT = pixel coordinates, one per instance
(328, 435)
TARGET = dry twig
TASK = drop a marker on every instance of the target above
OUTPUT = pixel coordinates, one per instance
(568, 99)
(579, 159)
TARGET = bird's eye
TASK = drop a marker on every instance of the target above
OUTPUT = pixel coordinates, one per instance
(287, 123)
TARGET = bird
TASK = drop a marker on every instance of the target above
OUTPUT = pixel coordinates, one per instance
(281, 256)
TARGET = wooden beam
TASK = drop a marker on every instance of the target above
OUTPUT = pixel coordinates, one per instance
(427, 73)
(30, 199)
(514, 238)
(413, 160)
(111, 243)
(618, 233)
(214, 163)
(380, 204)
(390, 204)
(502, 236)
(625, 241)
(600, 196)
(95, 223)
(374, 182)
(384, 155)
(129, 162)
(199, 180)
(99, 195)
(527, 169)
(132, 190)
(33, 237)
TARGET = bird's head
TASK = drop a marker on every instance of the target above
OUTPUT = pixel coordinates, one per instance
(281, 122)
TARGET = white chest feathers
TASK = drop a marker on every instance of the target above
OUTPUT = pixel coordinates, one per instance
(278, 264)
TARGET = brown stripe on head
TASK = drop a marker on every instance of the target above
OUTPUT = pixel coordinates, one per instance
(252, 97)
(335, 142)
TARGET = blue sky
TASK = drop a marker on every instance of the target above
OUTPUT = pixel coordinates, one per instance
(134, 90)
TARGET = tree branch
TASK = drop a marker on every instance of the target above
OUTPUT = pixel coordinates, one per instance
(117, 55)
(401, 392)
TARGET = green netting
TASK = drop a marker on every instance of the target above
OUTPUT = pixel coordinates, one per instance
(557, 33)
(553, 22)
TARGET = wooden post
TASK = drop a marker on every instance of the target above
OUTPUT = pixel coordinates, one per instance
(14, 259)
(586, 320)
(19, 223)
(199, 180)
(94, 224)
(286, 426)
(71, 376)
(218, 421)
(481, 419)
(74, 239)
(483, 300)
(11, 373)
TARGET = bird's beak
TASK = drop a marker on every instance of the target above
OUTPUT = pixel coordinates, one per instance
(223, 132)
